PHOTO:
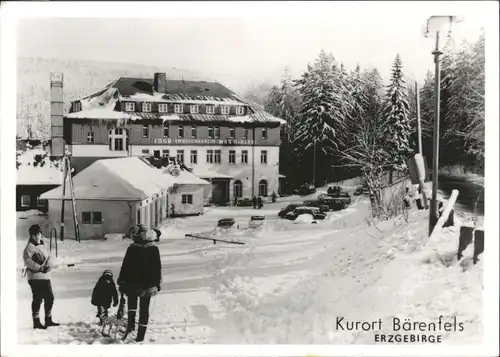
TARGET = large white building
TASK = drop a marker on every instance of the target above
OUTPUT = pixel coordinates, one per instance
(223, 138)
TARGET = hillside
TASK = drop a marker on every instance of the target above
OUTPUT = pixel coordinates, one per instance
(80, 78)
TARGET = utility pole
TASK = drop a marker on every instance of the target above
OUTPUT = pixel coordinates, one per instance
(419, 124)
(433, 212)
(436, 24)
(314, 163)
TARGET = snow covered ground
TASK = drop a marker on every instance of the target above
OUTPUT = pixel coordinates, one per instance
(287, 284)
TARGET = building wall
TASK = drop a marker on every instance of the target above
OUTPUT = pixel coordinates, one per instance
(175, 198)
(153, 211)
(117, 217)
(239, 171)
(34, 191)
(77, 131)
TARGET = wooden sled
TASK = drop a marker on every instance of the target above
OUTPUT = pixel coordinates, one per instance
(215, 240)
(113, 324)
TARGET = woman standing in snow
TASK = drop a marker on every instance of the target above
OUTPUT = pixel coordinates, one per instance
(140, 277)
(38, 264)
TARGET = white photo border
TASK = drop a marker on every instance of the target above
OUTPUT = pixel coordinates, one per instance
(11, 12)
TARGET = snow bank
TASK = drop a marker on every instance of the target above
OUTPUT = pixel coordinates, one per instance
(304, 218)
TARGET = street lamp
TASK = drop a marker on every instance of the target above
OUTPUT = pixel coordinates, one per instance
(435, 26)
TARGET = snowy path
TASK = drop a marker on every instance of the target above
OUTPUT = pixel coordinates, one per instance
(285, 285)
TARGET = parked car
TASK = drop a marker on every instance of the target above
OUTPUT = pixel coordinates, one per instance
(226, 223)
(344, 196)
(256, 221)
(306, 189)
(288, 208)
(327, 200)
(361, 191)
(313, 211)
(244, 201)
(323, 207)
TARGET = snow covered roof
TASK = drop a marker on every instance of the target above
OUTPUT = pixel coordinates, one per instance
(102, 104)
(184, 178)
(127, 178)
(29, 174)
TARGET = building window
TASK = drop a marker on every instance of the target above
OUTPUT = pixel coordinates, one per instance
(180, 131)
(130, 107)
(146, 107)
(244, 156)
(210, 156)
(232, 157)
(118, 139)
(217, 132)
(263, 157)
(194, 157)
(238, 189)
(145, 131)
(77, 106)
(217, 157)
(194, 109)
(187, 199)
(240, 110)
(224, 109)
(264, 133)
(25, 201)
(166, 131)
(41, 202)
(165, 153)
(180, 155)
(162, 108)
(245, 134)
(263, 188)
(90, 137)
(178, 108)
(232, 132)
(210, 109)
(91, 218)
(145, 151)
(211, 132)
(139, 216)
(193, 132)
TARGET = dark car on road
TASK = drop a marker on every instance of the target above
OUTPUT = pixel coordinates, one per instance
(344, 196)
(313, 211)
(306, 189)
(323, 207)
(244, 202)
(227, 223)
(288, 208)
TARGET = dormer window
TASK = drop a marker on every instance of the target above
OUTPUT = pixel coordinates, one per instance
(224, 109)
(130, 107)
(162, 108)
(146, 107)
(210, 109)
(240, 110)
(77, 106)
(194, 109)
(178, 108)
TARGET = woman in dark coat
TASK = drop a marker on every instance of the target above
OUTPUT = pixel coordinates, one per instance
(140, 277)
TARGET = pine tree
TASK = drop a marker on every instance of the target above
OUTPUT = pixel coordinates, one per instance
(322, 110)
(397, 118)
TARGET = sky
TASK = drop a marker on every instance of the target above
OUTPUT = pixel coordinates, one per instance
(248, 44)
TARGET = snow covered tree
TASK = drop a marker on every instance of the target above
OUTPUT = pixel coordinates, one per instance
(396, 113)
(322, 112)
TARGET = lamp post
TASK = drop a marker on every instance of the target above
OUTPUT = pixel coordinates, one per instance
(434, 28)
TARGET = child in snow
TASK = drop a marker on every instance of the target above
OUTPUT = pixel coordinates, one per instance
(104, 293)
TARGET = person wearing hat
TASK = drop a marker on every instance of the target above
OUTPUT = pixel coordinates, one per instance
(104, 294)
(140, 277)
(38, 262)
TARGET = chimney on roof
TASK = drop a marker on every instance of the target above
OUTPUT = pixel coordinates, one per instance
(160, 82)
